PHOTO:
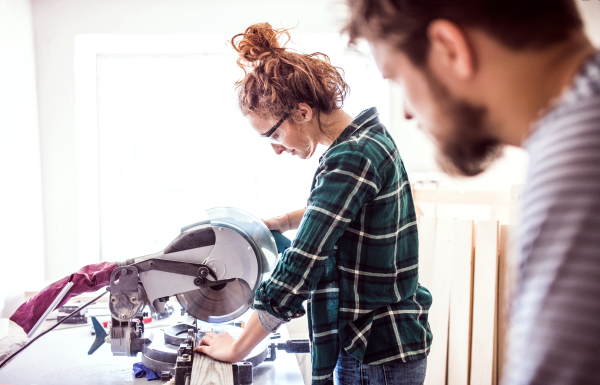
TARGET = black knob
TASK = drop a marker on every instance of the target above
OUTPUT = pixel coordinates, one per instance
(203, 272)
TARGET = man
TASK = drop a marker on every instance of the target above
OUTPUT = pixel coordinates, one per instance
(483, 74)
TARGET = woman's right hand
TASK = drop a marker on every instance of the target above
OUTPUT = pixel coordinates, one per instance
(281, 223)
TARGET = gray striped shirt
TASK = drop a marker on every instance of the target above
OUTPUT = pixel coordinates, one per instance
(555, 328)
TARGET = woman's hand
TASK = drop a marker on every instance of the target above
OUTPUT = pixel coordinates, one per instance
(220, 346)
(281, 223)
(289, 221)
(224, 347)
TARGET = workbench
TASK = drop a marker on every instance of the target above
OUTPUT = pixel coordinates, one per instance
(60, 357)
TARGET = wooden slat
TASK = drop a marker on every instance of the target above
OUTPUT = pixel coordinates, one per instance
(507, 273)
(427, 228)
(461, 290)
(480, 198)
(439, 312)
(483, 350)
(208, 371)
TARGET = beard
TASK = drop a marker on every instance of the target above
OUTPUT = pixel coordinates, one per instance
(467, 147)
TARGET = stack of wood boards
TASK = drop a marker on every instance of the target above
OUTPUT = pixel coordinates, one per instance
(463, 264)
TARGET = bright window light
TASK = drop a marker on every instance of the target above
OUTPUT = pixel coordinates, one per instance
(172, 143)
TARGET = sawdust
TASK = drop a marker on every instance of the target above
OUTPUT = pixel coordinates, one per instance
(7, 350)
(14, 341)
(17, 338)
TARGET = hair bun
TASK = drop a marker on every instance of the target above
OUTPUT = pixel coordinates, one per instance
(258, 42)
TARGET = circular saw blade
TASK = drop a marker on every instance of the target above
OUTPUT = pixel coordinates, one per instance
(218, 304)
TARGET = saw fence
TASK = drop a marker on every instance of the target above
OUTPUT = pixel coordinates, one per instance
(469, 268)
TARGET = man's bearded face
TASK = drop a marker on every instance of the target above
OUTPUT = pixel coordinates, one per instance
(461, 130)
(464, 144)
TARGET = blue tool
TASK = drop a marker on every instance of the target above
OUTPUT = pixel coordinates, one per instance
(100, 336)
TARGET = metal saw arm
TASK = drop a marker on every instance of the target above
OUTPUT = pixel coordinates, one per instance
(128, 296)
(200, 271)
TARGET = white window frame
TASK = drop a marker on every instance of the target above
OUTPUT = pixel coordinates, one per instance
(88, 48)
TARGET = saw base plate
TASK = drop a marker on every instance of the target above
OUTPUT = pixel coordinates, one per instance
(161, 354)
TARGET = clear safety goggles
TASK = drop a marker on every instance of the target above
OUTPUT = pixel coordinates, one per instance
(276, 135)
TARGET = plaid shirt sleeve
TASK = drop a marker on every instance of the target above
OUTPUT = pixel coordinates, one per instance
(345, 181)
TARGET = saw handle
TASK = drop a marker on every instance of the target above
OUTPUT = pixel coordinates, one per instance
(182, 268)
(281, 241)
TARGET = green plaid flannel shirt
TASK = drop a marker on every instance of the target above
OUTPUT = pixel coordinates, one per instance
(356, 257)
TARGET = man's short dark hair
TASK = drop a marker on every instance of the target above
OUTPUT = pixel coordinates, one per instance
(518, 24)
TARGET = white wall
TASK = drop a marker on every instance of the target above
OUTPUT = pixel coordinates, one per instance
(21, 234)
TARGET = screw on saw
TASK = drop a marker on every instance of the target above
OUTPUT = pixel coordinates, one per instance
(202, 280)
(203, 272)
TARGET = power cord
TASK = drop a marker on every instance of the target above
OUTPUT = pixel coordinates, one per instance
(52, 328)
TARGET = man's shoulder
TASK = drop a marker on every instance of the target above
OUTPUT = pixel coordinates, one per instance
(564, 150)
(569, 130)
(576, 111)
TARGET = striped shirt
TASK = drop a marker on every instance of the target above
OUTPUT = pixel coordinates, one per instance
(555, 330)
(356, 256)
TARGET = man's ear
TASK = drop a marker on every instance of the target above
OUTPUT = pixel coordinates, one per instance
(305, 113)
(450, 49)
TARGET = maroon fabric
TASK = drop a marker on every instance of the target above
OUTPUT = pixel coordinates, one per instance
(88, 278)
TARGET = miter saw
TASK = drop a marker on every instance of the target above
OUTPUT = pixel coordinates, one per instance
(212, 268)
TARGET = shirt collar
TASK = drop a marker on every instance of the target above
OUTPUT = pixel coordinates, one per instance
(369, 115)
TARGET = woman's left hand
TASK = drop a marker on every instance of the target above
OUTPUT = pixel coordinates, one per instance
(220, 346)
(281, 223)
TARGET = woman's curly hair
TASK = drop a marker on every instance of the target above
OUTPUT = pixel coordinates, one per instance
(276, 79)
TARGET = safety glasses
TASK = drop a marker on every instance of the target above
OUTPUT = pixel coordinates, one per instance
(276, 134)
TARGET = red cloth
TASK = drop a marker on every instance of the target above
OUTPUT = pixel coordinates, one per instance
(88, 278)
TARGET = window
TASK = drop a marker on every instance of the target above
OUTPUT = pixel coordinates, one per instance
(161, 138)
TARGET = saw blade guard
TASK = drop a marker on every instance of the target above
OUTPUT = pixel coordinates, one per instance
(254, 230)
(245, 250)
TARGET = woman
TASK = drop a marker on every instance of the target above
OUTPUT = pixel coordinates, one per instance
(355, 254)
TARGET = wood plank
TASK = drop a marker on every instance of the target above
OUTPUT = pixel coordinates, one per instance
(461, 296)
(297, 329)
(479, 198)
(427, 228)
(485, 294)
(208, 371)
(507, 283)
(439, 312)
